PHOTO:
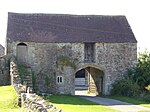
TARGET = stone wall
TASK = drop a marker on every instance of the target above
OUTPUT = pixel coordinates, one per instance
(2, 51)
(95, 83)
(16, 80)
(4, 70)
(35, 103)
(114, 60)
(29, 101)
(50, 60)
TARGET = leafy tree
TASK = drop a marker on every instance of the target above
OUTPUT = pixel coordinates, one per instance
(143, 70)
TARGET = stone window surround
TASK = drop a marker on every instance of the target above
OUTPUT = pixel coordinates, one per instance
(59, 80)
(89, 52)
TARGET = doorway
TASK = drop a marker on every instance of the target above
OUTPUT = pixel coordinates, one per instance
(89, 81)
(22, 53)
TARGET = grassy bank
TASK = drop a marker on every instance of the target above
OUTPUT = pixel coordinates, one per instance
(8, 100)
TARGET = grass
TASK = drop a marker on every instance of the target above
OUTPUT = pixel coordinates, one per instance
(131, 100)
(8, 100)
(76, 104)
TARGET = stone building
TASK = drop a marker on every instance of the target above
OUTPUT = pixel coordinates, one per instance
(4, 67)
(68, 52)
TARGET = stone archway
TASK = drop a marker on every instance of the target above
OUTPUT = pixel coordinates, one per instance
(92, 80)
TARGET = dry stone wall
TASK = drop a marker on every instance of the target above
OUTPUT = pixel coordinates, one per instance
(35, 103)
(51, 60)
(29, 101)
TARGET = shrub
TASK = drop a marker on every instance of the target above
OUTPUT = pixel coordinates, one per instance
(22, 70)
(135, 79)
(125, 88)
(146, 97)
(143, 69)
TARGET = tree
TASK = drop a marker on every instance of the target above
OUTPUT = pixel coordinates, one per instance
(143, 70)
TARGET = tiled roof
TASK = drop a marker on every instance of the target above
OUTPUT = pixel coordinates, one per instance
(68, 28)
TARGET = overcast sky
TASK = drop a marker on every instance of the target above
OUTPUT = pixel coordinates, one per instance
(136, 11)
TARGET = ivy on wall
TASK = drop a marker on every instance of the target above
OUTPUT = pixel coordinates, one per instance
(22, 70)
(34, 81)
(65, 61)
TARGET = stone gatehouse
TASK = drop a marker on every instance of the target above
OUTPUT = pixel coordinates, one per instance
(68, 52)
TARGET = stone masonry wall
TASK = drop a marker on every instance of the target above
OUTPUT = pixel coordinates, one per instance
(115, 59)
(4, 70)
(2, 51)
(29, 101)
(50, 60)
(35, 103)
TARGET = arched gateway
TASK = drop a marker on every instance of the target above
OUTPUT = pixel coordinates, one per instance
(90, 79)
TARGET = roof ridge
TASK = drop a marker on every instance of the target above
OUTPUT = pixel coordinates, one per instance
(63, 14)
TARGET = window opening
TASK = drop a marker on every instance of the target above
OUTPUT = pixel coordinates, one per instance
(59, 79)
(89, 52)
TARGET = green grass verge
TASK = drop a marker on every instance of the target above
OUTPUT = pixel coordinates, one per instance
(136, 101)
(8, 100)
(76, 104)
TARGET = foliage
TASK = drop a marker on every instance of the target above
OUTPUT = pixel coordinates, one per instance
(148, 88)
(126, 88)
(22, 70)
(146, 97)
(76, 104)
(8, 100)
(66, 61)
(34, 82)
(88, 92)
(143, 70)
(135, 79)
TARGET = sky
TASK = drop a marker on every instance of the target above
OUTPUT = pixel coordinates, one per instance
(136, 11)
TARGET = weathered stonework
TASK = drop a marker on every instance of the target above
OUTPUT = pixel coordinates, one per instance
(31, 102)
(49, 60)
(2, 50)
(58, 46)
(4, 70)
(35, 103)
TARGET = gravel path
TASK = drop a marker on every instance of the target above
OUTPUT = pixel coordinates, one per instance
(115, 104)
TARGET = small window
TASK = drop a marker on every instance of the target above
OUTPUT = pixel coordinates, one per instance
(59, 79)
(89, 51)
